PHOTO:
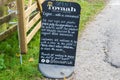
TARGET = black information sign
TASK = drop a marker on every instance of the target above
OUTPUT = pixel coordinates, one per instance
(59, 32)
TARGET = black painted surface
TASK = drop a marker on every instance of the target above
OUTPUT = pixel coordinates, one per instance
(59, 32)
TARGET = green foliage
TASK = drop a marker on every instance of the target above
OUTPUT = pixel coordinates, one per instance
(12, 69)
(89, 9)
(2, 64)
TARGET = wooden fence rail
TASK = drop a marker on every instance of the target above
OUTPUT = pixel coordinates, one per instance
(8, 32)
(6, 18)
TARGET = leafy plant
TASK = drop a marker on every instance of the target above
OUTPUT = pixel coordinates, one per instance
(2, 64)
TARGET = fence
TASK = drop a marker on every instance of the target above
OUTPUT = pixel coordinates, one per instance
(25, 25)
(28, 23)
(9, 31)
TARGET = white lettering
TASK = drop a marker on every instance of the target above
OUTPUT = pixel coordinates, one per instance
(66, 9)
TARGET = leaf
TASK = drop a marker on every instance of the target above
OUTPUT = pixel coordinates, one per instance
(17, 54)
(31, 60)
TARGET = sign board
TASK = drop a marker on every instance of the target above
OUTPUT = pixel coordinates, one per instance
(59, 32)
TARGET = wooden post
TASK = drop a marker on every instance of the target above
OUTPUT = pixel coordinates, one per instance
(39, 5)
(21, 26)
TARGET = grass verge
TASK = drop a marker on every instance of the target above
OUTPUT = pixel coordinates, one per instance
(89, 9)
(10, 67)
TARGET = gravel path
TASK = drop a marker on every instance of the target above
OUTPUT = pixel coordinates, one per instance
(98, 52)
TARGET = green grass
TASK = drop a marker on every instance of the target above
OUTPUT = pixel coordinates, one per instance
(10, 67)
(89, 10)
